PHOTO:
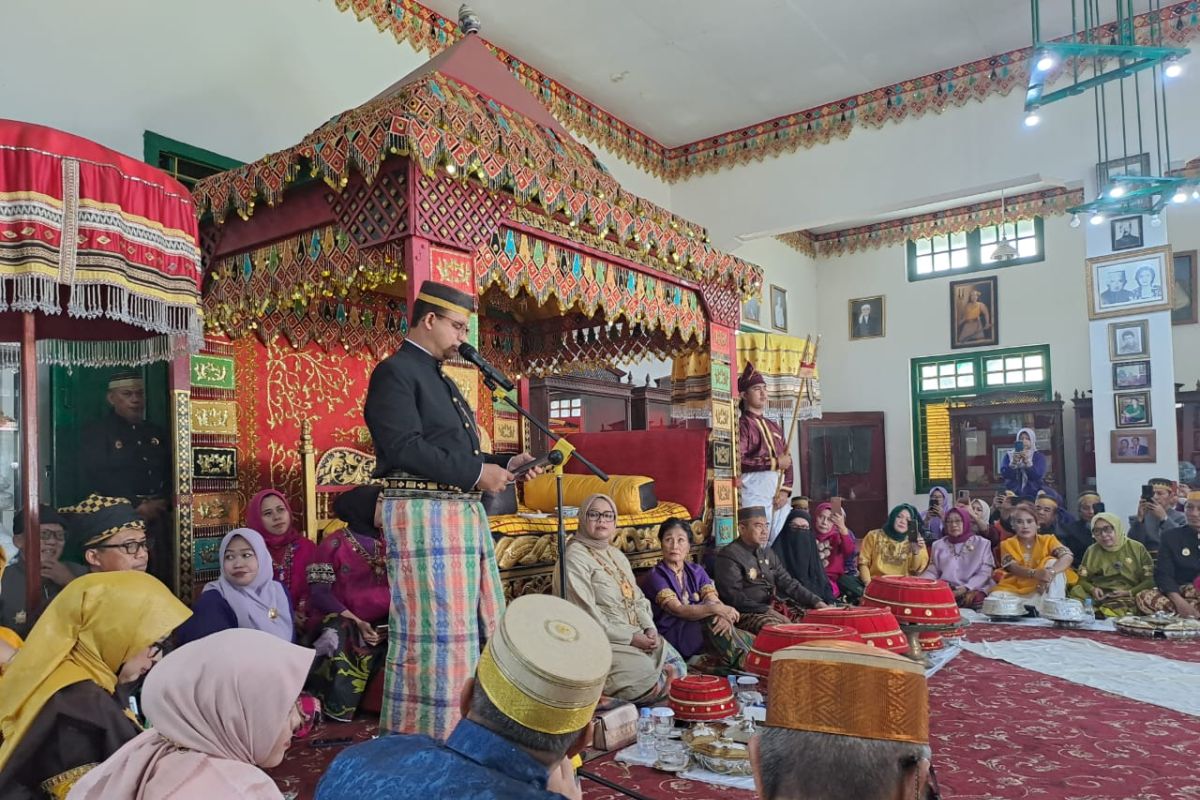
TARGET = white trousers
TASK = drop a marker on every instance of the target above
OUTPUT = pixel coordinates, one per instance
(1056, 591)
(758, 489)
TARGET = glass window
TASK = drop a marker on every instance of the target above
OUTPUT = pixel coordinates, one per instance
(971, 251)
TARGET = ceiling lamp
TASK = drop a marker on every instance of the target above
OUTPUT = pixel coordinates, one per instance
(1173, 69)
(1004, 251)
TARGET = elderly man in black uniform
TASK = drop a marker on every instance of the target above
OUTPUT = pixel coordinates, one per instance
(56, 573)
(751, 578)
(446, 591)
(125, 455)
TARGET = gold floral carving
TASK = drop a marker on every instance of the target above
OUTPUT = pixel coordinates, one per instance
(214, 417)
(343, 466)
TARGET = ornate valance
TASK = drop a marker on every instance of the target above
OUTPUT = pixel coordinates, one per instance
(1045, 203)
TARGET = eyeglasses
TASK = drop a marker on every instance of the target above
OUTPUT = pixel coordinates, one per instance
(460, 327)
(1099, 529)
(52, 536)
(160, 648)
(129, 548)
(596, 516)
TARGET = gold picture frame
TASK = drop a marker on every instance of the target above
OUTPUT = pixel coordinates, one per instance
(1110, 278)
(875, 324)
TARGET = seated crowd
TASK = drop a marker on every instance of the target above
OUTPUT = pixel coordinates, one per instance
(83, 670)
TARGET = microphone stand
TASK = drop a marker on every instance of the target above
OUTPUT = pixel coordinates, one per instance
(568, 450)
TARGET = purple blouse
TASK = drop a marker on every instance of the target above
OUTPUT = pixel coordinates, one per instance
(968, 564)
(685, 635)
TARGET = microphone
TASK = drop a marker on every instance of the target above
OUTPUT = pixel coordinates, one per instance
(490, 373)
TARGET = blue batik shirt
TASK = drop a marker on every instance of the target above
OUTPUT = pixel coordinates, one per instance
(473, 764)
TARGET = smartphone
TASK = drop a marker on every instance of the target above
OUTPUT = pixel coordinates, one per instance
(544, 461)
(914, 533)
(1019, 446)
(964, 496)
(383, 628)
(836, 503)
(1147, 492)
(1097, 508)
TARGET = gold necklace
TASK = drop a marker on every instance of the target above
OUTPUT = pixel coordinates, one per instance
(615, 574)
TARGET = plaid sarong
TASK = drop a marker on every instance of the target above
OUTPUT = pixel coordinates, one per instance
(446, 600)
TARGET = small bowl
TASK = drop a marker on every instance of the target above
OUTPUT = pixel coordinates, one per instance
(570, 512)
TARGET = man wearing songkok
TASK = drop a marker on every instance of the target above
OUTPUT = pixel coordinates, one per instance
(525, 715)
(1156, 516)
(1177, 568)
(125, 455)
(56, 573)
(428, 449)
(751, 578)
(1077, 534)
(113, 535)
(846, 720)
(762, 454)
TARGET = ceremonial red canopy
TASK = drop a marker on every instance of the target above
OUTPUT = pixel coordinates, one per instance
(106, 239)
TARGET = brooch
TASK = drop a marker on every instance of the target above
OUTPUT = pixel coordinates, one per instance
(1187, 551)
(695, 597)
(154, 441)
(118, 444)
(272, 614)
(753, 573)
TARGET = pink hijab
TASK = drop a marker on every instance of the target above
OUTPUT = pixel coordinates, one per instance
(218, 706)
(276, 544)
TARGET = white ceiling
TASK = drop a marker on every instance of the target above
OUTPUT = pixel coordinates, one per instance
(681, 70)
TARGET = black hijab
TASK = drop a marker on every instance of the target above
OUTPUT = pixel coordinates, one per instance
(357, 509)
(798, 552)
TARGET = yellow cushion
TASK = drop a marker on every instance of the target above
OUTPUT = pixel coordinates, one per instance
(540, 493)
(516, 525)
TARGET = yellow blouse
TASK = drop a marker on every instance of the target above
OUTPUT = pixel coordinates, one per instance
(879, 554)
(1046, 547)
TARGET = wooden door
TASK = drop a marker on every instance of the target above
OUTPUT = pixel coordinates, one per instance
(844, 455)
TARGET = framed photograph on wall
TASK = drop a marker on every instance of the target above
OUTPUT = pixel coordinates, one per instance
(1125, 233)
(973, 313)
(752, 309)
(1133, 447)
(1137, 166)
(779, 320)
(866, 316)
(1127, 340)
(1128, 283)
(1131, 375)
(1132, 409)
(1183, 294)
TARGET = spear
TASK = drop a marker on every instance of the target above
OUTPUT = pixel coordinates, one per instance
(799, 393)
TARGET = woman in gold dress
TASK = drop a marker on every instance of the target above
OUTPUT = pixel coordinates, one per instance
(974, 319)
(894, 549)
(601, 582)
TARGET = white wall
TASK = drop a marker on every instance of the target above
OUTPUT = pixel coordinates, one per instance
(1183, 224)
(1040, 303)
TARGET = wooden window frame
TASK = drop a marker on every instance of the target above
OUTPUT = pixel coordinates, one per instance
(974, 255)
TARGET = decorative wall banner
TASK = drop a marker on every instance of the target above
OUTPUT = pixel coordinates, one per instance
(722, 417)
(467, 379)
(216, 508)
(508, 434)
(214, 417)
(212, 372)
(723, 495)
(453, 268)
(214, 462)
(721, 387)
(722, 453)
(205, 556)
(722, 343)
(724, 531)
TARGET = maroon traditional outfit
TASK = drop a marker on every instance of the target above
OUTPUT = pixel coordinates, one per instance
(291, 553)
(760, 443)
(349, 573)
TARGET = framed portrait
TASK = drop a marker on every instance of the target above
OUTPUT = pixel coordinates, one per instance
(866, 317)
(973, 313)
(1183, 294)
(752, 309)
(1137, 166)
(1133, 447)
(1128, 340)
(1125, 233)
(1131, 375)
(998, 455)
(1132, 409)
(1127, 283)
(779, 311)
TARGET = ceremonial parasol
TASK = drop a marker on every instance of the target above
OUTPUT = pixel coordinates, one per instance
(99, 266)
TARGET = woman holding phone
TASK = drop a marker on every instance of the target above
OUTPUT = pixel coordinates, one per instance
(1025, 467)
(894, 549)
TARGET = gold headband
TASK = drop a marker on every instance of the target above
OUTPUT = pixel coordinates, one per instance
(126, 383)
(1194, 496)
(1050, 501)
(1086, 495)
(446, 304)
(523, 709)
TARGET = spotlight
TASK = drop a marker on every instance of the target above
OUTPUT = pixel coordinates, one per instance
(1032, 119)
(1155, 220)
(1173, 69)
(1045, 62)
(1116, 191)
(1074, 220)
(1180, 196)
(1097, 218)
(1196, 194)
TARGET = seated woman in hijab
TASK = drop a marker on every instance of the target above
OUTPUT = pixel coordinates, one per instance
(223, 710)
(291, 551)
(243, 596)
(797, 549)
(894, 549)
(63, 699)
(349, 592)
(601, 582)
(687, 611)
(837, 547)
(1024, 468)
(1114, 569)
(963, 559)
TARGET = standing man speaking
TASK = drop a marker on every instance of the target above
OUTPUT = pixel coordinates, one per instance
(446, 591)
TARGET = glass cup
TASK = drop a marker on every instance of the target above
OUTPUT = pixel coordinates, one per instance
(672, 755)
(664, 723)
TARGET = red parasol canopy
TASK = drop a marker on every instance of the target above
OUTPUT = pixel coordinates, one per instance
(104, 237)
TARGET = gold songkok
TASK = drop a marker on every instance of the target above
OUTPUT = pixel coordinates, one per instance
(810, 683)
(545, 666)
(1088, 495)
(1193, 496)
(447, 297)
(1046, 500)
(98, 518)
(126, 379)
(1167, 482)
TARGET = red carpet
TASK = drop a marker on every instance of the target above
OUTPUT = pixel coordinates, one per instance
(999, 732)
